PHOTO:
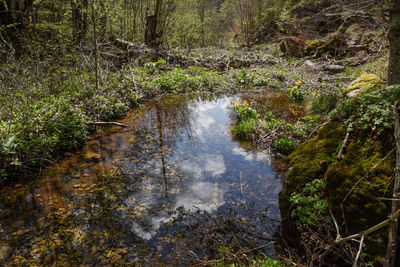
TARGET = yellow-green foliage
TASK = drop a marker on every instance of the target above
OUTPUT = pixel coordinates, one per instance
(364, 84)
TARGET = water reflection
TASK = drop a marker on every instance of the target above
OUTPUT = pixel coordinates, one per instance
(133, 195)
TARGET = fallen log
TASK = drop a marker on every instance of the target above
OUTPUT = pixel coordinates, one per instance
(105, 123)
(124, 44)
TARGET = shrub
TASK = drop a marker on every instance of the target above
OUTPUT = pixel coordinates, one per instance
(285, 145)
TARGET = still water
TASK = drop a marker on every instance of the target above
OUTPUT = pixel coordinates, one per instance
(172, 187)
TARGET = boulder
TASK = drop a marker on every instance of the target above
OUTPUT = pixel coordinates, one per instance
(364, 84)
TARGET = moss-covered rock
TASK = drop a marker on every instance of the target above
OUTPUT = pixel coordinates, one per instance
(312, 46)
(364, 84)
(358, 181)
(333, 45)
(356, 186)
(308, 162)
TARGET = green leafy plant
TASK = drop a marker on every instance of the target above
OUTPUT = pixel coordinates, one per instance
(187, 80)
(334, 155)
(295, 93)
(151, 67)
(372, 111)
(310, 205)
(244, 111)
(285, 145)
(8, 146)
(323, 102)
(244, 77)
(244, 130)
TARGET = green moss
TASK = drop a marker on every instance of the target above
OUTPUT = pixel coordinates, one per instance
(312, 46)
(307, 162)
(364, 84)
(358, 181)
(356, 185)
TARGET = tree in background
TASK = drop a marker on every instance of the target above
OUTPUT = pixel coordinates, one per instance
(13, 18)
(79, 11)
(394, 39)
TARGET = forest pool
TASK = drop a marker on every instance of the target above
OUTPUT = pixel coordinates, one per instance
(173, 187)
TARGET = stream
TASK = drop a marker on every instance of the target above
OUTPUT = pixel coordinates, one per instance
(173, 187)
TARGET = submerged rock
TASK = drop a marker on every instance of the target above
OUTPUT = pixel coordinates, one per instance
(90, 155)
(5, 251)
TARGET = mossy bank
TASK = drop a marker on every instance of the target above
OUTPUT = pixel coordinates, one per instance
(355, 186)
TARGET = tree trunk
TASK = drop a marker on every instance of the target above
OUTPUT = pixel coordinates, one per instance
(394, 78)
(79, 19)
(393, 227)
(394, 39)
(151, 34)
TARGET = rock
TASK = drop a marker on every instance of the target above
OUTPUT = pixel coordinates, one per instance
(353, 185)
(333, 68)
(304, 166)
(4, 251)
(354, 189)
(364, 84)
(311, 65)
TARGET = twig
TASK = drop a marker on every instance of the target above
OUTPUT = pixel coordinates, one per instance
(391, 199)
(372, 229)
(315, 129)
(250, 250)
(241, 189)
(344, 145)
(104, 123)
(336, 225)
(359, 251)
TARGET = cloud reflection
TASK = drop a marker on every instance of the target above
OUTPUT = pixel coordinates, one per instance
(205, 116)
(200, 195)
(211, 163)
(259, 156)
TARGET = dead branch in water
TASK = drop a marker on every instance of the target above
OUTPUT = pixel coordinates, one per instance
(105, 123)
